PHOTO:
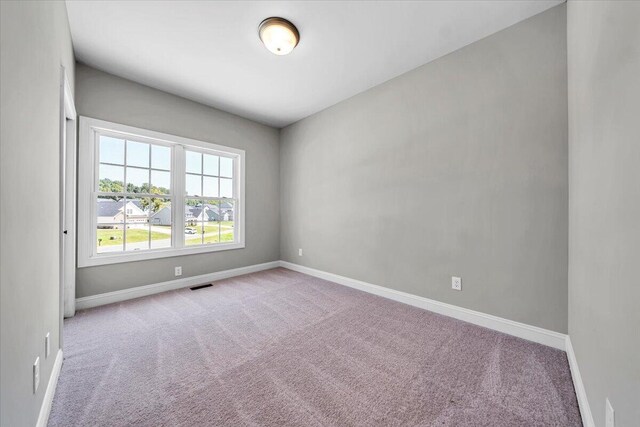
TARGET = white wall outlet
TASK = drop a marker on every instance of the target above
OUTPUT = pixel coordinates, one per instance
(179, 271)
(610, 418)
(36, 374)
(47, 345)
(300, 252)
(456, 283)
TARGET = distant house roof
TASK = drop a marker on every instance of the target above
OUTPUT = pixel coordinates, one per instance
(212, 211)
(195, 212)
(108, 207)
(223, 205)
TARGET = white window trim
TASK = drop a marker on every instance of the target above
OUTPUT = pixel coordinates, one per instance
(87, 168)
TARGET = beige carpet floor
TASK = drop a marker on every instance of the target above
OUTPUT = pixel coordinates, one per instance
(280, 348)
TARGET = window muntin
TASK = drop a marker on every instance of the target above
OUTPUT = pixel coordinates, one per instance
(139, 177)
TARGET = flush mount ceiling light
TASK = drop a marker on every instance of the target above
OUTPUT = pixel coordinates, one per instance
(278, 35)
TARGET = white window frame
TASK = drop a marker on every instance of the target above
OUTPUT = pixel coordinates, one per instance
(89, 129)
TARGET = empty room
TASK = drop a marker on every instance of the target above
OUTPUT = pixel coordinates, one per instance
(320, 213)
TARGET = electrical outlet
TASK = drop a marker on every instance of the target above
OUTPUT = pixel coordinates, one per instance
(300, 252)
(456, 283)
(610, 415)
(47, 345)
(36, 374)
(179, 271)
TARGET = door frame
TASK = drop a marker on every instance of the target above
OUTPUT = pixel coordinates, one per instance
(67, 240)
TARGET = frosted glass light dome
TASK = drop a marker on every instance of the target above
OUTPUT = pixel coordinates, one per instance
(278, 35)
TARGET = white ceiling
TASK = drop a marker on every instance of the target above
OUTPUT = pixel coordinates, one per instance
(210, 51)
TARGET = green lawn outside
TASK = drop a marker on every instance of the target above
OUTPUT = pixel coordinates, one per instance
(211, 233)
(210, 238)
(134, 235)
(210, 227)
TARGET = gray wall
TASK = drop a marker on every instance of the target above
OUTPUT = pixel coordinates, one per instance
(604, 203)
(104, 96)
(458, 167)
(34, 42)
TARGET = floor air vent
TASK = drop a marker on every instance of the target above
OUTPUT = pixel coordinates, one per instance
(195, 288)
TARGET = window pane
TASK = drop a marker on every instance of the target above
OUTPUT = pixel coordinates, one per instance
(137, 224)
(111, 179)
(226, 188)
(211, 232)
(160, 182)
(210, 212)
(193, 184)
(137, 154)
(210, 164)
(193, 233)
(137, 180)
(160, 223)
(194, 162)
(227, 221)
(137, 237)
(111, 150)
(226, 167)
(160, 157)
(135, 210)
(109, 210)
(193, 214)
(212, 223)
(210, 187)
(109, 238)
(160, 212)
(191, 210)
(110, 221)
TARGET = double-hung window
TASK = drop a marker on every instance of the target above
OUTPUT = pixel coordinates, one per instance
(145, 194)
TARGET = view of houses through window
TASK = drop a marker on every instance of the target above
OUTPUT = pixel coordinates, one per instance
(134, 197)
(208, 218)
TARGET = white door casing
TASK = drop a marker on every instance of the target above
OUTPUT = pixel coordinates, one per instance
(68, 156)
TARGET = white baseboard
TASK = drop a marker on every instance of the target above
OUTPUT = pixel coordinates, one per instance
(521, 330)
(45, 409)
(141, 291)
(581, 394)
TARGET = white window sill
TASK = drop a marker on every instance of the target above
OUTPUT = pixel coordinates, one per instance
(120, 257)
